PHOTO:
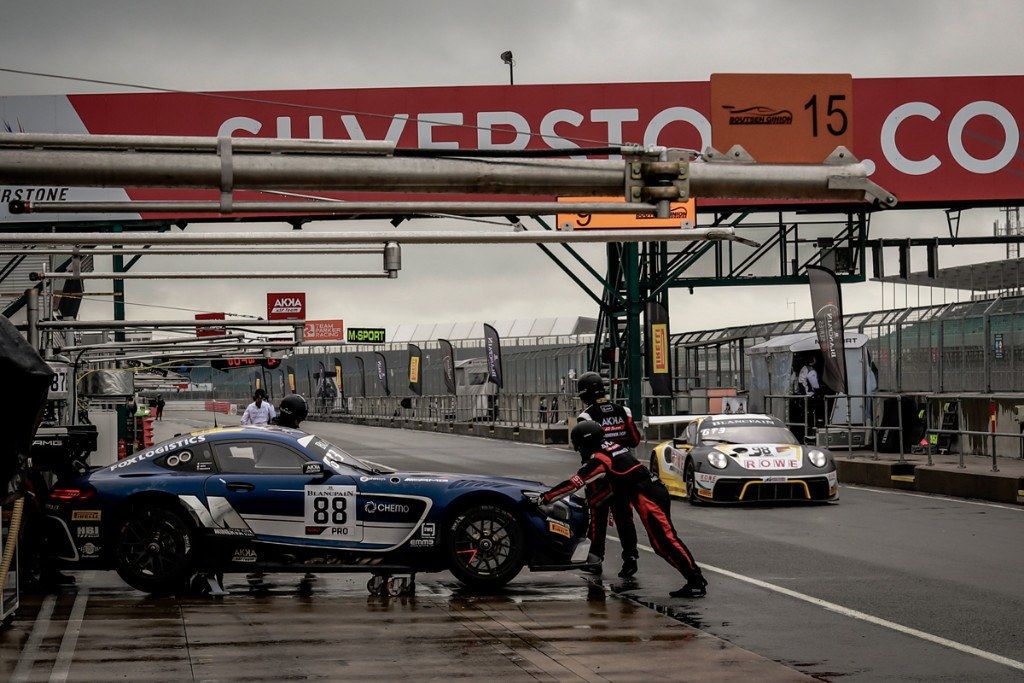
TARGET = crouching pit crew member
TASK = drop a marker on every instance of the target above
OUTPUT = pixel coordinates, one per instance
(629, 478)
(619, 428)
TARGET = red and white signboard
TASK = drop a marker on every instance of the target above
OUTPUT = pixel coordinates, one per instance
(286, 305)
(932, 141)
(324, 330)
(210, 331)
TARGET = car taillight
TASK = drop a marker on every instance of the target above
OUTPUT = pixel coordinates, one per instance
(73, 494)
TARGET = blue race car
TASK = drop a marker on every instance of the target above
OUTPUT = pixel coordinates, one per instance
(244, 499)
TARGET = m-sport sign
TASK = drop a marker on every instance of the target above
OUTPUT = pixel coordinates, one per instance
(286, 306)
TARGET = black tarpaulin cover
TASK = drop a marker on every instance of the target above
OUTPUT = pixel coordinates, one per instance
(25, 383)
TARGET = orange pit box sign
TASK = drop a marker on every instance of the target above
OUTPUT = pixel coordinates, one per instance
(684, 215)
(324, 330)
(782, 118)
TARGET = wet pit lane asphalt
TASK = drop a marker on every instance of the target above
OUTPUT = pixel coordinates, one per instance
(882, 586)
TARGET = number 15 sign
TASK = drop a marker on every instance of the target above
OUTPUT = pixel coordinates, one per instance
(782, 118)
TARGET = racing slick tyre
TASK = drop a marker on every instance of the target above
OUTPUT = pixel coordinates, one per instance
(485, 547)
(155, 550)
(691, 484)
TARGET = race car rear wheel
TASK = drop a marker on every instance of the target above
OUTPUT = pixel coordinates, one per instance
(485, 546)
(155, 550)
(691, 484)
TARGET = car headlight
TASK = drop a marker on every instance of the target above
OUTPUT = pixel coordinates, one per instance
(817, 458)
(718, 459)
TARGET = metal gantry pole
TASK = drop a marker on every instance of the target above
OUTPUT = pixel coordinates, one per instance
(634, 351)
(32, 316)
(118, 267)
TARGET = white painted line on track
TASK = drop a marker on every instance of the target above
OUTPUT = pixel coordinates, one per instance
(62, 667)
(932, 496)
(35, 639)
(855, 614)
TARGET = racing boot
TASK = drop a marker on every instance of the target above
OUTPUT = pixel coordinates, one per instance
(629, 568)
(696, 587)
(593, 565)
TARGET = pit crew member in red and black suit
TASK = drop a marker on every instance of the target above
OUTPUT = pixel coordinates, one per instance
(630, 479)
(618, 426)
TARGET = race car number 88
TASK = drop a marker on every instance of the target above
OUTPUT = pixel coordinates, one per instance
(333, 509)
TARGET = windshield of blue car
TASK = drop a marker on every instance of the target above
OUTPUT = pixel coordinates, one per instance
(746, 434)
(337, 458)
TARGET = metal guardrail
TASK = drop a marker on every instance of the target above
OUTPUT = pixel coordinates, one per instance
(875, 429)
(511, 409)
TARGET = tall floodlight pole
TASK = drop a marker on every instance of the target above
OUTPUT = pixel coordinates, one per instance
(506, 57)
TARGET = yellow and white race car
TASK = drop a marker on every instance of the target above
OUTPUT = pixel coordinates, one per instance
(740, 459)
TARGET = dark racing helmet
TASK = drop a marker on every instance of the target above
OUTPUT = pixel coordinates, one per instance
(591, 386)
(293, 410)
(587, 437)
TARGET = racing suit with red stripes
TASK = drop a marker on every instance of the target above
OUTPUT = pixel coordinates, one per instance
(619, 428)
(631, 480)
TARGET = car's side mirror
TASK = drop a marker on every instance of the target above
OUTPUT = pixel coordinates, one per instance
(313, 468)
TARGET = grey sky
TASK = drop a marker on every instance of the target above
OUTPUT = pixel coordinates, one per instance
(230, 45)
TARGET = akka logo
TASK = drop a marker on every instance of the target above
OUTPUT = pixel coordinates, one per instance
(286, 305)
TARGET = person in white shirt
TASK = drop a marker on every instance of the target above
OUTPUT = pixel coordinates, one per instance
(260, 411)
(809, 384)
(808, 377)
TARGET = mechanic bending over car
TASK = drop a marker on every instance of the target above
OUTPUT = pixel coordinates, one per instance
(619, 428)
(630, 479)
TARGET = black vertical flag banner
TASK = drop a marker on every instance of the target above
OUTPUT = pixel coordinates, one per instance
(492, 350)
(827, 303)
(448, 364)
(416, 369)
(362, 375)
(339, 377)
(382, 372)
(658, 357)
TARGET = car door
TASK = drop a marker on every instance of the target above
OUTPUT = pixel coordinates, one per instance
(261, 491)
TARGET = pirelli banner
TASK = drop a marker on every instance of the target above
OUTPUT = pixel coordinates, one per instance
(415, 369)
(658, 356)
(448, 364)
(339, 377)
(291, 380)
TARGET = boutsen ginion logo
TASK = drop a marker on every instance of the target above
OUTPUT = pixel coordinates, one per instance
(758, 116)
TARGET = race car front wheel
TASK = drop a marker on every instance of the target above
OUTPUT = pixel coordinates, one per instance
(485, 547)
(155, 550)
(691, 484)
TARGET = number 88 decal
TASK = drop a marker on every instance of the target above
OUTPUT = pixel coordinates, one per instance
(322, 510)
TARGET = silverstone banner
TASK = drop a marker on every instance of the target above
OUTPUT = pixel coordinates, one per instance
(933, 140)
(382, 372)
(492, 349)
(827, 303)
(415, 369)
(658, 356)
(448, 364)
(362, 375)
